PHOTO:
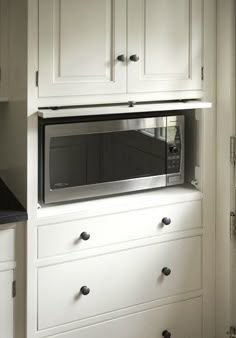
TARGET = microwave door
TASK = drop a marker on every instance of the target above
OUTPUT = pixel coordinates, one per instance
(85, 160)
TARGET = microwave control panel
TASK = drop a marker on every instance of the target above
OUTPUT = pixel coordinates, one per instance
(174, 153)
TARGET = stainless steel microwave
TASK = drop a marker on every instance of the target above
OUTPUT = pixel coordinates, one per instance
(83, 159)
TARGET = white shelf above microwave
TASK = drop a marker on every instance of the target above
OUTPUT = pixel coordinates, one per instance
(131, 107)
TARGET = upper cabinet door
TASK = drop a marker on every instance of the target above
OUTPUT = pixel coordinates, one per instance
(79, 42)
(166, 36)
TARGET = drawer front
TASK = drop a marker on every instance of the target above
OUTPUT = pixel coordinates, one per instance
(66, 237)
(7, 245)
(181, 320)
(6, 304)
(117, 280)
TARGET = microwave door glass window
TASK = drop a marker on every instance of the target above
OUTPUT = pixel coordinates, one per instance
(106, 157)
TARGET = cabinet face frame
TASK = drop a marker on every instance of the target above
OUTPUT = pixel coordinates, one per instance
(95, 75)
(166, 71)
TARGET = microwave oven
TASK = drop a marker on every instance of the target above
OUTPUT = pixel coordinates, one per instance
(84, 158)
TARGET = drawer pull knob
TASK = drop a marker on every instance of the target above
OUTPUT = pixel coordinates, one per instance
(166, 221)
(85, 236)
(166, 334)
(166, 271)
(134, 58)
(121, 58)
(85, 290)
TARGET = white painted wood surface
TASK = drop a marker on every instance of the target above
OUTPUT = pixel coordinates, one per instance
(79, 43)
(167, 36)
(68, 212)
(12, 267)
(64, 238)
(208, 160)
(7, 245)
(138, 108)
(140, 200)
(183, 319)
(6, 304)
(119, 280)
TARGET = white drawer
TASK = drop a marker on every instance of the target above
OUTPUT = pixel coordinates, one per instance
(65, 237)
(7, 245)
(117, 280)
(181, 320)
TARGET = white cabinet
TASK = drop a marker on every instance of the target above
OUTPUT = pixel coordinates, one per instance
(117, 281)
(67, 237)
(7, 245)
(7, 265)
(6, 304)
(166, 36)
(132, 268)
(79, 42)
(119, 47)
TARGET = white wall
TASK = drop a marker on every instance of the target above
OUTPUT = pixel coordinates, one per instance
(13, 116)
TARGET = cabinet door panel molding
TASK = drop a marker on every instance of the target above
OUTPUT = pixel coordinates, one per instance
(79, 43)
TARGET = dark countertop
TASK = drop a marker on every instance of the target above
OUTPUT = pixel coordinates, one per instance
(11, 211)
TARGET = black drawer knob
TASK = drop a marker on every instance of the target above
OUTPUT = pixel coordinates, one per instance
(166, 334)
(134, 58)
(85, 290)
(85, 236)
(121, 58)
(166, 221)
(166, 271)
(173, 149)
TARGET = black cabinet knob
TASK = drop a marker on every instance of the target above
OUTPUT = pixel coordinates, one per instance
(134, 58)
(131, 104)
(121, 58)
(173, 149)
(166, 221)
(85, 236)
(166, 271)
(166, 334)
(85, 290)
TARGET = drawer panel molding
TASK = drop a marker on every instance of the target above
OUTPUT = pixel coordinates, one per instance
(69, 237)
(120, 280)
(183, 319)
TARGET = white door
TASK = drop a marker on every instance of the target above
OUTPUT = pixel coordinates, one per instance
(6, 305)
(164, 44)
(79, 45)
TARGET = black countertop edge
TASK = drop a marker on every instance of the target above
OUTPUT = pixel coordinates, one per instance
(11, 211)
